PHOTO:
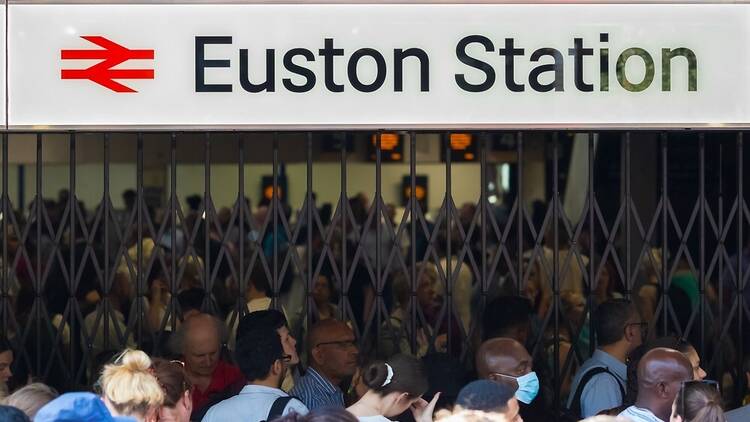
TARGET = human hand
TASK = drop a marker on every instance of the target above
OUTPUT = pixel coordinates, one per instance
(422, 410)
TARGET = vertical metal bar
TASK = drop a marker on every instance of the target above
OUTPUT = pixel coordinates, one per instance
(309, 217)
(556, 270)
(740, 245)
(6, 267)
(592, 247)
(520, 212)
(483, 218)
(722, 249)
(344, 215)
(378, 235)
(72, 239)
(139, 232)
(241, 205)
(207, 211)
(174, 286)
(107, 286)
(275, 207)
(38, 291)
(412, 243)
(628, 216)
(448, 229)
(39, 225)
(664, 232)
(702, 251)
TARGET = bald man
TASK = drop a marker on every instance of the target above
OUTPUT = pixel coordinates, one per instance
(332, 358)
(199, 339)
(507, 361)
(661, 373)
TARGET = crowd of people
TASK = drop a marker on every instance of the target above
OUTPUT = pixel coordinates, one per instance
(208, 384)
(210, 332)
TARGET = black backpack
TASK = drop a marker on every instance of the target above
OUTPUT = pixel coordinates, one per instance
(574, 412)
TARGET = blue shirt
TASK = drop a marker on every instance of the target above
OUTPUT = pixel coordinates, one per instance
(252, 405)
(316, 391)
(603, 391)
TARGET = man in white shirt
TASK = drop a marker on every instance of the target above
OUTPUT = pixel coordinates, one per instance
(661, 373)
(260, 356)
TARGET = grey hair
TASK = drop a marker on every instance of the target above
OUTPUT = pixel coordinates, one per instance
(31, 398)
(177, 341)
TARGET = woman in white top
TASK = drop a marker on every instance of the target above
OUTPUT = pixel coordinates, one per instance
(393, 387)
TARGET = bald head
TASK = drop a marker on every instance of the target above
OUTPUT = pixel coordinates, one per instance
(333, 350)
(502, 356)
(328, 330)
(201, 344)
(661, 372)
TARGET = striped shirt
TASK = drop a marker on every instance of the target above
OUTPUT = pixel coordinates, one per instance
(316, 391)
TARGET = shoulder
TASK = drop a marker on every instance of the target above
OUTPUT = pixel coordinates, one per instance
(296, 406)
(739, 414)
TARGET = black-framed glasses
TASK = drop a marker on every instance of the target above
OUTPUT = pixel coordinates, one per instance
(684, 385)
(343, 344)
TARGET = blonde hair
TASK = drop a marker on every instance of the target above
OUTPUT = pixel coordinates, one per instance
(130, 386)
(31, 398)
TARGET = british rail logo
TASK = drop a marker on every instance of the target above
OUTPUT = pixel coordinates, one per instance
(110, 54)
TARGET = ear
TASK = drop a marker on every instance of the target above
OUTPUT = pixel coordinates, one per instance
(403, 398)
(277, 367)
(662, 389)
(317, 355)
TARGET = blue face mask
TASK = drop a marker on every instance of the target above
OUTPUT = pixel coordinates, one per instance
(528, 387)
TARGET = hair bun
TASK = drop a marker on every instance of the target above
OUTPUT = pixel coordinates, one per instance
(375, 375)
(135, 361)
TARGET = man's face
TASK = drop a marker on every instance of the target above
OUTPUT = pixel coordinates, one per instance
(634, 331)
(321, 290)
(6, 359)
(289, 344)
(426, 294)
(337, 352)
(202, 351)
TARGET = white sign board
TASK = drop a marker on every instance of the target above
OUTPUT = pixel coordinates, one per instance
(378, 66)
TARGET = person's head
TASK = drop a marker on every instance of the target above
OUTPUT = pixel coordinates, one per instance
(506, 361)
(698, 401)
(261, 357)
(274, 319)
(490, 397)
(199, 342)
(398, 383)
(258, 279)
(323, 290)
(427, 286)
(178, 400)
(31, 398)
(507, 316)
(321, 414)
(12, 414)
(618, 323)
(661, 372)
(333, 350)
(76, 407)
(6, 360)
(684, 347)
(130, 389)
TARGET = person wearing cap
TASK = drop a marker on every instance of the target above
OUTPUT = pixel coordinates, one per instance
(493, 398)
(77, 407)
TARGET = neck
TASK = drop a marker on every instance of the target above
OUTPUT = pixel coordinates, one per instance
(272, 382)
(252, 293)
(168, 415)
(661, 411)
(332, 379)
(617, 351)
(371, 404)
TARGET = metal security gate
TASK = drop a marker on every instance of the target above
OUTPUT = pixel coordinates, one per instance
(80, 281)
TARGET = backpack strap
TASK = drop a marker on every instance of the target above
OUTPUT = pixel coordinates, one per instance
(277, 408)
(575, 404)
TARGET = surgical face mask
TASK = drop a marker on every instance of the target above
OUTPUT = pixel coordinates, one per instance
(528, 386)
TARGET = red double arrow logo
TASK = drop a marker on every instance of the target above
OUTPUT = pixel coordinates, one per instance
(111, 55)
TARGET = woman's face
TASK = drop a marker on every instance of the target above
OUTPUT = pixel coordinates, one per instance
(695, 362)
(674, 417)
(322, 290)
(6, 360)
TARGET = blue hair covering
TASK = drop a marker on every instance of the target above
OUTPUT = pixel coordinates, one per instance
(484, 395)
(11, 414)
(77, 407)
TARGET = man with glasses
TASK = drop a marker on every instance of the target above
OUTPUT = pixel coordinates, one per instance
(661, 373)
(261, 358)
(601, 382)
(332, 358)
